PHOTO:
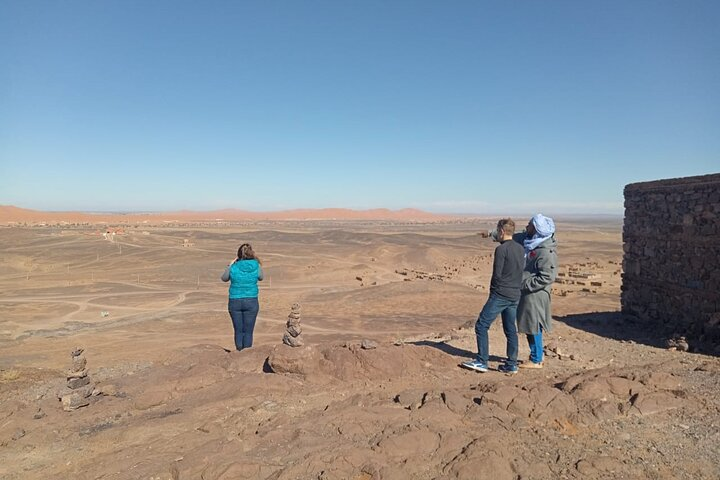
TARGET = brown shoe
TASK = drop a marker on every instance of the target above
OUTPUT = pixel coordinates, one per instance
(530, 365)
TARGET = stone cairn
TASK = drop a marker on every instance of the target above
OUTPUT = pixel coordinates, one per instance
(292, 334)
(78, 383)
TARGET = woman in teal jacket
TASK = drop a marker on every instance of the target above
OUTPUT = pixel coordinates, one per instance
(243, 274)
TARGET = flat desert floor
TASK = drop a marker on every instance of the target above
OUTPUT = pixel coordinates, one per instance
(376, 393)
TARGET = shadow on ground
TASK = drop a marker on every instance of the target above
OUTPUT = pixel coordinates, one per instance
(615, 325)
(457, 352)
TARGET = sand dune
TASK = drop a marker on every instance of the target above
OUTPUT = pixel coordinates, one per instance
(11, 215)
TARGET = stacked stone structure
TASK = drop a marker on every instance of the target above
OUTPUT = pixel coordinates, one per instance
(671, 275)
(78, 383)
(292, 336)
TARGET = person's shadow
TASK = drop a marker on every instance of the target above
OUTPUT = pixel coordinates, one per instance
(454, 351)
(617, 326)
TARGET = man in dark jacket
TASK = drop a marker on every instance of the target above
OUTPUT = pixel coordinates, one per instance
(541, 265)
(503, 299)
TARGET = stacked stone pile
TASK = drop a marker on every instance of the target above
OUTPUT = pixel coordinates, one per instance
(292, 336)
(671, 276)
(78, 388)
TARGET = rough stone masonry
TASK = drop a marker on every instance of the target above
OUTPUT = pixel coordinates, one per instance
(671, 264)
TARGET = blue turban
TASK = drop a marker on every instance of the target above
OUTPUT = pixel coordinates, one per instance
(544, 226)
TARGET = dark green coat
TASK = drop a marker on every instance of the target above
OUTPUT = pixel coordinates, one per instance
(541, 267)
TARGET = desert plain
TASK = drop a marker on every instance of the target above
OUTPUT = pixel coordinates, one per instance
(376, 392)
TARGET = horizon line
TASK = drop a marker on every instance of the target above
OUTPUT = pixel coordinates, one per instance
(509, 212)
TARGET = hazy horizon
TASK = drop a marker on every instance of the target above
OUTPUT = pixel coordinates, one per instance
(489, 213)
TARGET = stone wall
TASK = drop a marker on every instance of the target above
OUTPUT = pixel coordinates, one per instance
(671, 265)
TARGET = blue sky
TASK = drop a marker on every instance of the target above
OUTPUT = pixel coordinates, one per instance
(458, 106)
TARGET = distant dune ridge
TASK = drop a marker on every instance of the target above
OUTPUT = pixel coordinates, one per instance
(10, 214)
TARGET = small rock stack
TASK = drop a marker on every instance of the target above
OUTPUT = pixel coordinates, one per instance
(78, 383)
(292, 335)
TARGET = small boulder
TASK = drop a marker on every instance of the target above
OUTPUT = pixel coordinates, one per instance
(291, 341)
(74, 401)
(294, 330)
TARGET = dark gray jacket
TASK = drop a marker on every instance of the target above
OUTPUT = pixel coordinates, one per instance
(541, 266)
(508, 270)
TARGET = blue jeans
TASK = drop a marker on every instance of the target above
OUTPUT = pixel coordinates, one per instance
(535, 342)
(495, 306)
(243, 312)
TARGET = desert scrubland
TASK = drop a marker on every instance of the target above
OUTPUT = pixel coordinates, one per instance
(173, 401)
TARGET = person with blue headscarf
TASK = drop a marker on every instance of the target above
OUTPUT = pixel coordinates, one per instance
(534, 315)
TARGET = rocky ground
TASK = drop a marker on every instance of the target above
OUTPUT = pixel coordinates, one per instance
(375, 392)
(601, 408)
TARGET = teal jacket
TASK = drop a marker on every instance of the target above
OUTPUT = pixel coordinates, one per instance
(243, 276)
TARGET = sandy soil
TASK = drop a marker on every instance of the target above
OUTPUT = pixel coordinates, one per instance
(175, 402)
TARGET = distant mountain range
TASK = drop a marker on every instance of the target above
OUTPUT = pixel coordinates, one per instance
(10, 214)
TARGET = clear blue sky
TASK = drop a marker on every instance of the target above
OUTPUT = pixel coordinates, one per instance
(455, 106)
